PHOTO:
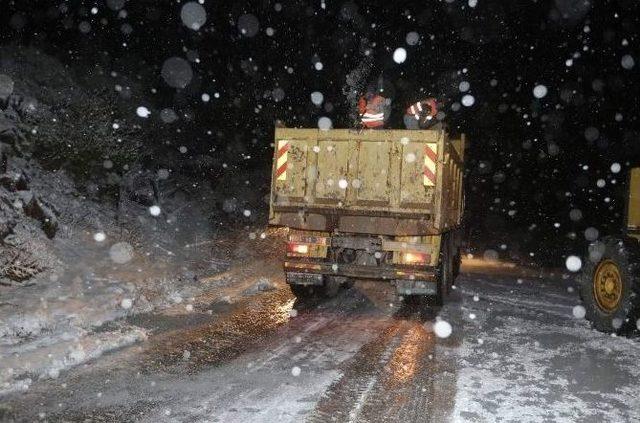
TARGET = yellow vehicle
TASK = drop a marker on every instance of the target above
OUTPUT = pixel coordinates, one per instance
(373, 204)
(610, 278)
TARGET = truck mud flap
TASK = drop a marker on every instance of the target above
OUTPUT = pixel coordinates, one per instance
(301, 278)
(415, 287)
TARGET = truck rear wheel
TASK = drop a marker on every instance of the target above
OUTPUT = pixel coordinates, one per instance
(608, 288)
(445, 270)
(330, 288)
(305, 292)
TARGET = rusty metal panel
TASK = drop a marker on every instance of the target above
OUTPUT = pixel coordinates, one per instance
(333, 159)
(367, 181)
(372, 179)
(633, 212)
(413, 192)
(293, 186)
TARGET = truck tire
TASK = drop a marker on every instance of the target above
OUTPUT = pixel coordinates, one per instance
(457, 261)
(330, 288)
(445, 270)
(609, 288)
(306, 292)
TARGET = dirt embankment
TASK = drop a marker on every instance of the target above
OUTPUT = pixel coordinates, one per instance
(91, 230)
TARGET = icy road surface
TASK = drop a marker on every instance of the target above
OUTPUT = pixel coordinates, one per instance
(516, 354)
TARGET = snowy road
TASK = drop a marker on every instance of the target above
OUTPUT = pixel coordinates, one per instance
(516, 353)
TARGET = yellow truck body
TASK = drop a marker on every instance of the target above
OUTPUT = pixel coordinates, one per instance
(390, 192)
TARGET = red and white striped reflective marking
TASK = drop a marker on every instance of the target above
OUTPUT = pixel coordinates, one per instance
(282, 157)
(429, 168)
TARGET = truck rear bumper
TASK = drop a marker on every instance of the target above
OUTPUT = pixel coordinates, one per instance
(407, 281)
(362, 272)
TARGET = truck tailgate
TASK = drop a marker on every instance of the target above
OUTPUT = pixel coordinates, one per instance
(392, 175)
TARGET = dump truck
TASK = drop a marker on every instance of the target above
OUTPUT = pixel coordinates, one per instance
(610, 274)
(371, 204)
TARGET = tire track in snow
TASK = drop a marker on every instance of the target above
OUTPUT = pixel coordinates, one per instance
(392, 378)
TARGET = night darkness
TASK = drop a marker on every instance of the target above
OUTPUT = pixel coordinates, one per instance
(533, 163)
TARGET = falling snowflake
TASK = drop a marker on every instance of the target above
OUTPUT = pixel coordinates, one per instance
(193, 15)
(579, 312)
(400, 55)
(539, 91)
(317, 98)
(143, 112)
(442, 329)
(324, 123)
(573, 263)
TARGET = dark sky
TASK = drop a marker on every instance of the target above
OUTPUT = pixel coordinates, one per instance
(532, 161)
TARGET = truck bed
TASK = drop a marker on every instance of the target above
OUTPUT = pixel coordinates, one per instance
(395, 182)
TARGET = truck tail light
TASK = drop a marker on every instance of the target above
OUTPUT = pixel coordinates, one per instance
(298, 249)
(417, 259)
(308, 244)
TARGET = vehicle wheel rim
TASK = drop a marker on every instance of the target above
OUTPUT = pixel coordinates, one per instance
(607, 286)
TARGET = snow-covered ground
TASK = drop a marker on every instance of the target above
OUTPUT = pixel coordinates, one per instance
(525, 357)
(516, 353)
(102, 265)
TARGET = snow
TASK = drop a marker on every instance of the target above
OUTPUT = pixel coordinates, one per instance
(277, 94)
(176, 72)
(615, 168)
(193, 15)
(442, 329)
(121, 252)
(116, 5)
(539, 91)
(591, 133)
(627, 62)
(399, 55)
(412, 38)
(317, 98)
(536, 362)
(168, 115)
(248, 25)
(143, 112)
(464, 86)
(155, 211)
(324, 123)
(591, 234)
(6, 86)
(99, 236)
(468, 100)
(473, 3)
(126, 303)
(295, 371)
(579, 312)
(343, 184)
(573, 263)
(84, 27)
